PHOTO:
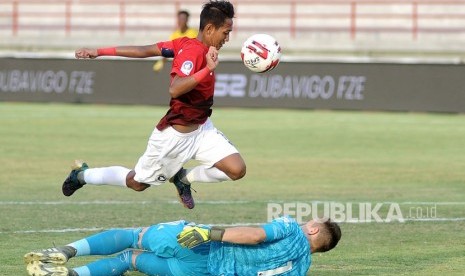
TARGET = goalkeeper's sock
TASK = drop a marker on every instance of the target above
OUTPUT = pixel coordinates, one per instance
(107, 267)
(115, 176)
(205, 174)
(107, 242)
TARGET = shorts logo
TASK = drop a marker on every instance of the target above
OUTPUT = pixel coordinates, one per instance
(161, 178)
(187, 66)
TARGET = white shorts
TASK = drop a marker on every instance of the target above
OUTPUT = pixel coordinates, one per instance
(168, 150)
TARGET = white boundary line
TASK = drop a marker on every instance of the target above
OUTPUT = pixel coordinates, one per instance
(100, 202)
(66, 230)
(121, 202)
(117, 202)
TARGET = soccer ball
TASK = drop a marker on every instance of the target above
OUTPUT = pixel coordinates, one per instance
(261, 53)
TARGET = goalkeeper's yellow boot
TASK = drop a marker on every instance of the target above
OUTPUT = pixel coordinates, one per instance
(72, 182)
(55, 255)
(184, 190)
(37, 268)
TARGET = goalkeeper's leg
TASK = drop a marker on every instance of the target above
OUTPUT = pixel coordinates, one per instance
(109, 266)
(182, 262)
(107, 242)
(104, 243)
(51, 261)
(149, 263)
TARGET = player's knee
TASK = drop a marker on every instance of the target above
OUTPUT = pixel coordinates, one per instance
(237, 172)
(133, 184)
(134, 255)
(141, 187)
(136, 186)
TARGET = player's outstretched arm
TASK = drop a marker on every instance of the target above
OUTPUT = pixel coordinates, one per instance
(121, 51)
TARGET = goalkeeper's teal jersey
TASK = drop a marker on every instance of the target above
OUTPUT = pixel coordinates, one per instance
(285, 251)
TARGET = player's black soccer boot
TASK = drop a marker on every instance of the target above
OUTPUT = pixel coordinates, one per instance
(72, 182)
(184, 190)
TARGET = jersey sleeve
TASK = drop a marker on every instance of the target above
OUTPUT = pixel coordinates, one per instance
(279, 229)
(187, 62)
(166, 48)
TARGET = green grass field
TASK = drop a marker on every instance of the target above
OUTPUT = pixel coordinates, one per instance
(414, 160)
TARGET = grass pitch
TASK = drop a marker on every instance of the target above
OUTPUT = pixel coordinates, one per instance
(414, 160)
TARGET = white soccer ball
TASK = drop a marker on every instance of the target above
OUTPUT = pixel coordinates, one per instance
(261, 53)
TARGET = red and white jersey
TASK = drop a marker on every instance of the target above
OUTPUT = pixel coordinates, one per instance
(193, 107)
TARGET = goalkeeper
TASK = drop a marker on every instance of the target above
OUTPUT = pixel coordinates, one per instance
(281, 247)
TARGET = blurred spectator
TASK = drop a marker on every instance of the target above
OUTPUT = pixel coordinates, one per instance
(182, 30)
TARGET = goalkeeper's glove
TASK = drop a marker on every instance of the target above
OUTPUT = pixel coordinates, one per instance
(191, 236)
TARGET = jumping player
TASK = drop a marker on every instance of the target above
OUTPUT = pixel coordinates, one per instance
(185, 132)
(281, 247)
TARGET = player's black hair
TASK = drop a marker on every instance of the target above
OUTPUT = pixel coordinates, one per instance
(184, 12)
(331, 234)
(216, 12)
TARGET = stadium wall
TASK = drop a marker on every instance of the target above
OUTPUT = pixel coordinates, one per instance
(423, 87)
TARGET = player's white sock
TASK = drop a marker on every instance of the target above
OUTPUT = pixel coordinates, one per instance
(205, 174)
(115, 176)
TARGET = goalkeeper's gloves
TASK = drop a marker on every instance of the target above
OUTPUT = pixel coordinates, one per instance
(191, 236)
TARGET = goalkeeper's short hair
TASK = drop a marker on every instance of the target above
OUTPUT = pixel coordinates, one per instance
(328, 236)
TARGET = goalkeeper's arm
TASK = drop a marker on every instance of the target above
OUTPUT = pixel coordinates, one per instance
(193, 236)
(244, 235)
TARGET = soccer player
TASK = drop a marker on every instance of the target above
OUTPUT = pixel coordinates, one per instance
(182, 30)
(185, 132)
(281, 247)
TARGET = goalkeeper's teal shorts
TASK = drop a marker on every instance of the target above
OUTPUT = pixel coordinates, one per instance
(166, 257)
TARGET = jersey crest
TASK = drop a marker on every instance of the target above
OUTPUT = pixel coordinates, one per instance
(186, 67)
